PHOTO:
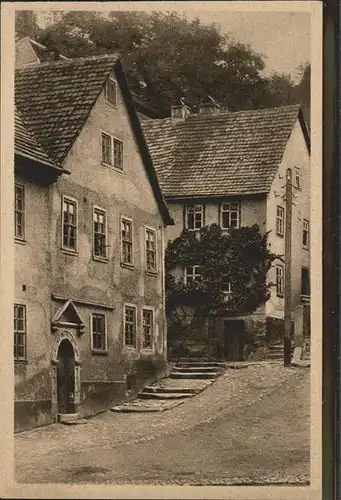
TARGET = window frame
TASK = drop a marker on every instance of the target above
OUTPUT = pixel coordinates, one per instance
(149, 309)
(18, 359)
(307, 231)
(280, 293)
(135, 345)
(194, 266)
(96, 350)
(307, 270)
(71, 200)
(281, 220)
(147, 230)
(131, 264)
(20, 237)
(113, 139)
(107, 99)
(99, 210)
(297, 175)
(202, 212)
(223, 211)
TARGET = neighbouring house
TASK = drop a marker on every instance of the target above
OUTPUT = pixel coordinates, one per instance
(89, 314)
(230, 168)
(29, 51)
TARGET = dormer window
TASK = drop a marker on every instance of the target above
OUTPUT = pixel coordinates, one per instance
(111, 92)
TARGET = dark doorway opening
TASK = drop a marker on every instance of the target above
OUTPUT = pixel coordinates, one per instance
(66, 378)
(234, 332)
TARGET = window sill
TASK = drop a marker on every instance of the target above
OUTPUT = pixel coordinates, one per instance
(280, 235)
(20, 361)
(100, 352)
(111, 104)
(128, 266)
(305, 248)
(20, 241)
(116, 169)
(280, 296)
(130, 348)
(69, 252)
(104, 260)
(153, 274)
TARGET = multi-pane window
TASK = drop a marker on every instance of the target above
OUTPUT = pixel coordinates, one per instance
(118, 154)
(69, 224)
(20, 333)
(194, 217)
(98, 332)
(106, 149)
(147, 328)
(19, 212)
(297, 177)
(110, 92)
(112, 151)
(279, 280)
(306, 233)
(126, 241)
(130, 326)
(280, 221)
(192, 273)
(230, 215)
(99, 233)
(151, 250)
(226, 286)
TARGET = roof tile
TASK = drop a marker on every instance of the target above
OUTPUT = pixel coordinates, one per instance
(55, 99)
(220, 154)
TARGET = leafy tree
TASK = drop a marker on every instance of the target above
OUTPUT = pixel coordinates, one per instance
(26, 24)
(239, 257)
(167, 57)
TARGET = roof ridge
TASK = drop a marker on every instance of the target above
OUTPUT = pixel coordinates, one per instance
(69, 62)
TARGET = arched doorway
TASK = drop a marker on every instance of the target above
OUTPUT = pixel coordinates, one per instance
(66, 377)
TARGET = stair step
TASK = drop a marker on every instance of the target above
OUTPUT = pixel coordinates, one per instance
(165, 395)
(170, 390)
(198, 375)
(197, 369)
(203, 364)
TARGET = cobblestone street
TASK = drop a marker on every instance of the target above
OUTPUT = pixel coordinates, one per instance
(251, 426)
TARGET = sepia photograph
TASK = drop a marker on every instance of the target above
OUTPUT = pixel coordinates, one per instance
(165, 214)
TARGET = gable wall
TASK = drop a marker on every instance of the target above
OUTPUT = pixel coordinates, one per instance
(24, 53)
(80, 276)
(295, 154)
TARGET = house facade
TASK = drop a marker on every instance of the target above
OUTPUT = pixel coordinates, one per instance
(230, 169)
(89, 314)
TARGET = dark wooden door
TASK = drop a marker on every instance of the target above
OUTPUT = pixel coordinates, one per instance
(233, 340)
(66, 378)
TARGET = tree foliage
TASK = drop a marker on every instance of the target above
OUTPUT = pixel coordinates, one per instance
(167, 57)
(240, 257)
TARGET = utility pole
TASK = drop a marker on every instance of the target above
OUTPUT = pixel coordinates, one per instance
(287, 269)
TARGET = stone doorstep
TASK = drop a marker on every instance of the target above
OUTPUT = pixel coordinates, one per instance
(71, 419)
(143, 406)
(165, 395)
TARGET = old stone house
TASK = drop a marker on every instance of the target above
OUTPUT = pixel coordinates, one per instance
(230, 168)
(89, 317)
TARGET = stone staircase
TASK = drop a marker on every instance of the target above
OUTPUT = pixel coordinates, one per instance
(187, 379)
(276, 351)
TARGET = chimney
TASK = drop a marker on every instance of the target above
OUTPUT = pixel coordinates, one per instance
(180, 111)
(209, 106)
(49, 55)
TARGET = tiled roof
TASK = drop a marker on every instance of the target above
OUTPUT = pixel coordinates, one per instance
(55, 99)
(220, 154)
(26, 145)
